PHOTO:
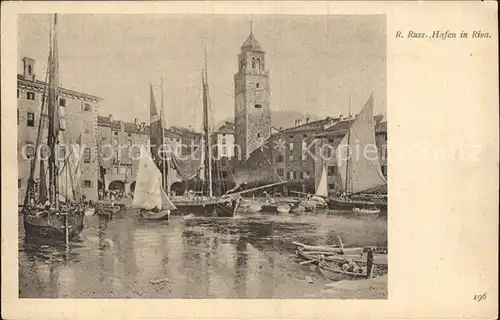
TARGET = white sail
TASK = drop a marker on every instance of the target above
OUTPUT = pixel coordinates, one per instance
(357, 155)
(149, 193)
(322, 187)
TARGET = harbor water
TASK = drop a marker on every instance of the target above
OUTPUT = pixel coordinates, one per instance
(249, 256)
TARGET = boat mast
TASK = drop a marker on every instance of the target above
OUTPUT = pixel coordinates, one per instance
(166, 185)
(348, 147)
(208, 155)
(53, 113)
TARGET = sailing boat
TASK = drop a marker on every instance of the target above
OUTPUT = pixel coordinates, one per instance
(149, 196)
(198, 164)
(321, 191)
(358, 173)
(61, 218)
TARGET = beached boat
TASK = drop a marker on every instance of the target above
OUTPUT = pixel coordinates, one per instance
(254, 207)
(283, 208)
(366, 213)
(344, 270)
(58, 213)
(359, 173)
(149, 196)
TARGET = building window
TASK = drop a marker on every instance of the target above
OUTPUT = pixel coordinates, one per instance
(223, 151)
(280, 172)
(31, 119)
(19, 183)
(30, 95)
(87, 183)
(280, 158)
(223, 139)
(224, 174)
(291, 175)
(257, 85)
(304, 149)
(290, 146)
(129, 134)
(116, 133)
(18, 93)
(62, 102)
(332, 170)
(87, 107)
(290, 157)
(253, 63)
(86, 155)
(306, 175)
(258, 106)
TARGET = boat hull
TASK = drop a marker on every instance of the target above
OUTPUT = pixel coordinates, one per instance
(52, 228)
(206, 208)
(254, 207)
(107, 211)
(333, 271)
(348, 204)
(365, 214)
(150, 215)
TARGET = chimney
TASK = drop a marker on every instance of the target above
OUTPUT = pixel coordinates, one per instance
(299, 122)
(110, 117)
(28, 68)
(340, 116)
(135, 121)
(307, 120)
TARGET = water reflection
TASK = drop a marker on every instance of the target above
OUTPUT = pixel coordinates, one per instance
(247, 257)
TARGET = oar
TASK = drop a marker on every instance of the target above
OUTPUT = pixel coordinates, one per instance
(308, 261)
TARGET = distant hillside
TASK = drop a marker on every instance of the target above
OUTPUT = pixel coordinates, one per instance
(282, 118)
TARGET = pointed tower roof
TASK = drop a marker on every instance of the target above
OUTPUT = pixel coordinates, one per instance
(251, 44)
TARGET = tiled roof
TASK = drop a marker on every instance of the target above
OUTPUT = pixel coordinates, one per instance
(117, 125)
(228, 128)
(42, 84)
(340, 128)
(313, 125)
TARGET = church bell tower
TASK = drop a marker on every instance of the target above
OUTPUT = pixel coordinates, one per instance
(252, 113)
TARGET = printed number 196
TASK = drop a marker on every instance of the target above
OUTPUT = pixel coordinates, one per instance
(480, 297)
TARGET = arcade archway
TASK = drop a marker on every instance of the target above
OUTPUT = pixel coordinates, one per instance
(117, 185)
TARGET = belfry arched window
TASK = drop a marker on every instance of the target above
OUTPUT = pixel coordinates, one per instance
(253, 63)
(258, 63)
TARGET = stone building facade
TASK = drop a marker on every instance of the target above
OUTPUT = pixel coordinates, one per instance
(80, 111)
(252, 113)
(120, 144)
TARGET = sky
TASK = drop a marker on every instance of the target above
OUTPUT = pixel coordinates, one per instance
(317, 64)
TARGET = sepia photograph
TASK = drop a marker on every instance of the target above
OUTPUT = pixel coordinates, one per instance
(202, 156)
(249, 160)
